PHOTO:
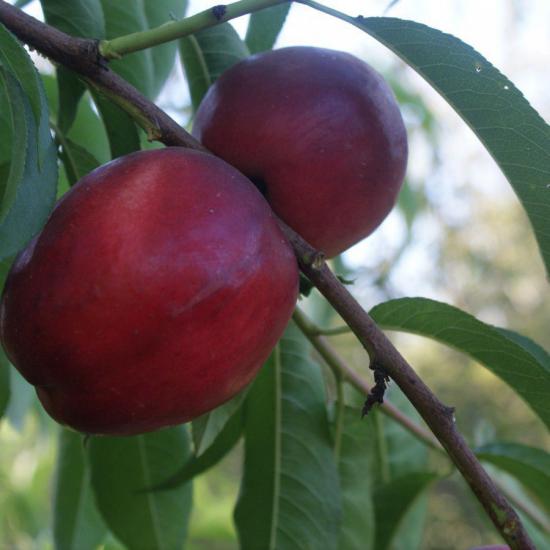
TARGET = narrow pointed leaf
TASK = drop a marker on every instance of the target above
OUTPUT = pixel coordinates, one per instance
(512, 131)
(77, 523)
(122, 468)
(409, 533)
(392, 502)
(148, 69)
(375, 451)
(516, 364)
(121, 130)
(71, 90)
(207, 54)
(539, 536)
(358, 469)
(207, 427)
(6, 142)
(30, 190)
(87, 130)
(264, 27)
(529, 465)
(77, 161)
(16, 61)
(404, 453)
(289, 495)
(401, 454)
(82, 18)
(163, 57)
(218, 449)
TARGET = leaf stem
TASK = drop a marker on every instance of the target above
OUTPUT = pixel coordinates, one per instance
(336, 331)
(331, 11)
(122, 45)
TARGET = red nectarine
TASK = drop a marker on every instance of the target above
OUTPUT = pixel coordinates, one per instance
(318, 131)
(154, 293)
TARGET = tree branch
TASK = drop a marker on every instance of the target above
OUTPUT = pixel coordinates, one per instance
(82, 56)
(342, 369)
(117, 47)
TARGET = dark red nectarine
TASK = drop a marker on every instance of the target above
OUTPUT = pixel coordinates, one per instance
(318, 131)
(154, 293)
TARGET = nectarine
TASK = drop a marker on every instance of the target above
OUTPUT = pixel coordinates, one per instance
(154, 293)
(318, 131)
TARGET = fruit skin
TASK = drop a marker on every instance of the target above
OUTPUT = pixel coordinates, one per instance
(321, 130)
(154, 293)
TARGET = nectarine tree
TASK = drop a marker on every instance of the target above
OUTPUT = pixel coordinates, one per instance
(151, 306)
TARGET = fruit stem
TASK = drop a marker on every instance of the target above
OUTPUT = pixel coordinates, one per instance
(172, 30)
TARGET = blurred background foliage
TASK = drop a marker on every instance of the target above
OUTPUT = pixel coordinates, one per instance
(458, 234)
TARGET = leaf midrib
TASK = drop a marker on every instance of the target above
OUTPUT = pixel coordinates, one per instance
(277, 449)
(148, 497)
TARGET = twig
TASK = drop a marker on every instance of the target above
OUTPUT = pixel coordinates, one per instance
(342, 369)
(83, 57)
(117, 47)
(437, 416)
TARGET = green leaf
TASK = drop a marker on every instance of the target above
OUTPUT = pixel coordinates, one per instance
(77, 523)
(88, 130)
(218, 449)
(22, 396)
(264, 27)
(162, 57)
(82, 18)
(121, 130)
(4, 382)
(375, 451)
(16, 61)
(539, 536)
(401, 454)
(392, 502)
(32, 181)
(409, 532)
(77, 161)
(404, 453)
(148, 69)
(512, 131)
(357, 469)
(71, 90)
(514, 363)
(207, 54)
(529, 465)
(6, 133)
(122, 468)
(207, 427)
(289, 496)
